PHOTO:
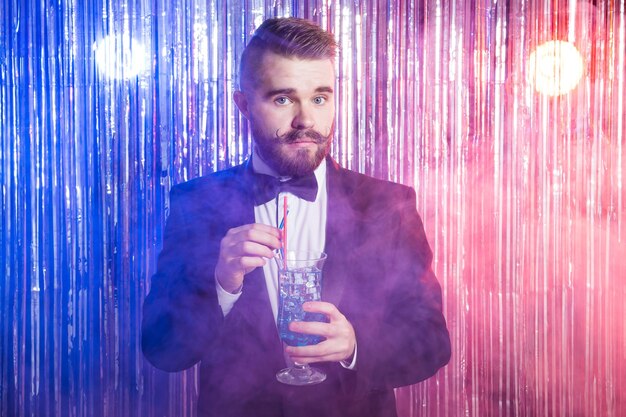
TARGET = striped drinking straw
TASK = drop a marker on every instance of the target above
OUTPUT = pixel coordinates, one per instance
(283, 227)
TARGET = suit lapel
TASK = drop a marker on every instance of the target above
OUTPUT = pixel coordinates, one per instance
(254, 305)
(340, 224)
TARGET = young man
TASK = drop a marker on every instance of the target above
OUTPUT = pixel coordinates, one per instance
(214, 297)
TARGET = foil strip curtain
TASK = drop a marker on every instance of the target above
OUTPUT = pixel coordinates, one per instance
(522, 194)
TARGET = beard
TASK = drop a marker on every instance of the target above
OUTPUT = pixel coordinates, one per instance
(273, 150)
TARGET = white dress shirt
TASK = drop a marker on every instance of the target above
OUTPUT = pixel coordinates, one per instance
(306, 231)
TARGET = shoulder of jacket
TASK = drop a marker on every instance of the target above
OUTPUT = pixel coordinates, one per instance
(215, 179)
(366, 184)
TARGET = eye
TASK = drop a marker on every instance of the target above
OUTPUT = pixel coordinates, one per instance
(282, 101)
(319, 100)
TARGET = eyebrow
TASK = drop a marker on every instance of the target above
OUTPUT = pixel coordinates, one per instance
(287, 91)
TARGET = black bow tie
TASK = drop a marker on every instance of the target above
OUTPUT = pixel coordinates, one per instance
(267, 187)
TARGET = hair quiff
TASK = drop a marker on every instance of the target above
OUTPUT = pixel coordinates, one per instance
(289, 37)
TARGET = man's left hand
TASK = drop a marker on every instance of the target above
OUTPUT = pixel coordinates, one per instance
(339, 333)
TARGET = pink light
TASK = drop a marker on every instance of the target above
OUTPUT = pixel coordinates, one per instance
(555, 68)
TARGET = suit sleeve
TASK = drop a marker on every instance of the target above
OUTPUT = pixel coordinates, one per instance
(407, 340)
(181, 314)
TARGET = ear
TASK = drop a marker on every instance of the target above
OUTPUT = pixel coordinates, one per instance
(242, 103)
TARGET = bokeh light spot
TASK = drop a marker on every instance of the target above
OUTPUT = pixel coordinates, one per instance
(555, 68)
(120, 57)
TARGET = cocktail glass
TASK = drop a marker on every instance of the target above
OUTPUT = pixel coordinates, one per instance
(300, 280)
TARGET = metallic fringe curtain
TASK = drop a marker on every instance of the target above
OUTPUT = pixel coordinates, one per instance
(104, 105)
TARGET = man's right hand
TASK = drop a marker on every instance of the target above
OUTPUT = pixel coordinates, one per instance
(242, 250)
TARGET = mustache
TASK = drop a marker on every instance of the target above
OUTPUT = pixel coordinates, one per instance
(297, 135)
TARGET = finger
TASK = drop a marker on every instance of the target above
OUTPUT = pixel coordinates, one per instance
(249, 249)
(247, 262)
(311, 327)
(245, 249)
(248, 243)
(305, 360)
(261, 234)
(256, 228)
(323, 307)
(317, 353)
(266, 240)
(313, 351)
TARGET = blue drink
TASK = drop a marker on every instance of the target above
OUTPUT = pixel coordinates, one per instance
(299, 281)
(298, 286)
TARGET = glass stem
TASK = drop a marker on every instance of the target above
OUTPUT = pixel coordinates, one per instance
(302, 369)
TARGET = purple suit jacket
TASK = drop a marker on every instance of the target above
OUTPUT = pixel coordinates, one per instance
(378, 273)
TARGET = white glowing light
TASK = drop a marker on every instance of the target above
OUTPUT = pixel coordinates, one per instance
(555, 68)
(120, 57)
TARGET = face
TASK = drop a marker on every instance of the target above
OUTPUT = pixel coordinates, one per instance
(291, 110)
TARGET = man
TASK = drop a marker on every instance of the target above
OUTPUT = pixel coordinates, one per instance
(214, 297)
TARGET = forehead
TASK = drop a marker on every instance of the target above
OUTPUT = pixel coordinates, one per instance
(277, 72)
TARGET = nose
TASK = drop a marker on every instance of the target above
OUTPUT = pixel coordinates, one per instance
(303, 119)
